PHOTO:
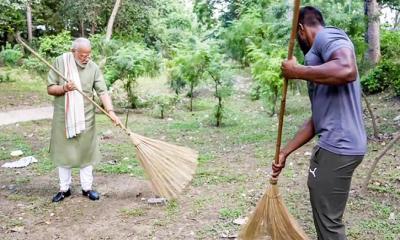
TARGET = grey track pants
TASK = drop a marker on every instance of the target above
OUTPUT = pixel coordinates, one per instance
(329, 182)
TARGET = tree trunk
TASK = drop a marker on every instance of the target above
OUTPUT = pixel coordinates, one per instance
(191, 97)
(112, 19)
(396, 20)
(82, 26)
(29, 20)
(219, 112)
(372, 33)
(93, 29)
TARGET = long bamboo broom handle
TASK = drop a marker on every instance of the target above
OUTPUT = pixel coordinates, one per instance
(296, 10)
(19, 39)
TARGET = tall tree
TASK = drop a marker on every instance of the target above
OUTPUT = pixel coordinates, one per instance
(29, 19)
(372, 34)
(112, 19)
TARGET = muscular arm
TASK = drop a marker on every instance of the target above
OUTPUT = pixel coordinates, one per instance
(305, 134)
(339, 69)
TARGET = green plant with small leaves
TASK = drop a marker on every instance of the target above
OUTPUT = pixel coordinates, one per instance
(54, 45)
(10, 56)
(128, 63)
(222, 83)
(265, 69)
(188, 68)
(386, 74)
(162, 104)
(6, 78)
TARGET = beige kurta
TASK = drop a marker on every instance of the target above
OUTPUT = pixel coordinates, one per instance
(82, 150)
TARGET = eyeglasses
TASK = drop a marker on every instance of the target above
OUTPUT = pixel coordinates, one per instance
(82, 55)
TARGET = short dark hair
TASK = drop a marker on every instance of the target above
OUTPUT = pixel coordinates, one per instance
(311, 16)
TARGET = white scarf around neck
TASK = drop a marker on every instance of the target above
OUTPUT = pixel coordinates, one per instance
(74, 106)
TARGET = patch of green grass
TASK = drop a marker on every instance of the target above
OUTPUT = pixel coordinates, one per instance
(11, 142)
(229, 213)
(23, 86)
(289, 172)
(161, 222)
(172, 207)
(133, 212)
(252, 137)
(200, 203)
(385, 189)
(21, 198)
(22, 180)
(10, 223)
(216, 229)
(205, 158)
(205, 233)
(379, 225)
(201, 104)
(216, 177)
(119, 159)
(124, 166)
(44, 164)
(185, 126)
(265, 156)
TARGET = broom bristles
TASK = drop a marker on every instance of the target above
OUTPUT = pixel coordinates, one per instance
(272, 219)
(169, 167)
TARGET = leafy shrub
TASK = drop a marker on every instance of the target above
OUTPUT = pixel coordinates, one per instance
(265, 69)
(6, 78)
(10, 56)
(188, 68)
(34, 64)
(103, 48)
(390, 49)
(386, 74)
(129, 63)
(55, 45)
(249, 27)
(221, 77)
(163, 104)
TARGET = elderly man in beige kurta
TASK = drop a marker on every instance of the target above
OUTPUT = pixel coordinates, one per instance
(80, 151)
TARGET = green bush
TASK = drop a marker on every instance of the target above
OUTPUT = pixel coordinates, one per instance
(249, 27)
(265, 70)
(221, 76)
(102, 48)
(390, 49)
(10, 56)
(34, 64)
(163, 104)
(55, 45)
(386, 74)
(187, 68)
(129, 63)
(6, 78)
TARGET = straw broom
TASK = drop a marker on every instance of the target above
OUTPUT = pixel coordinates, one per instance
(271, 219)
(169, 167)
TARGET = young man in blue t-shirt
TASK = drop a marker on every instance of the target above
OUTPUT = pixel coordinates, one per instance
(334, 88)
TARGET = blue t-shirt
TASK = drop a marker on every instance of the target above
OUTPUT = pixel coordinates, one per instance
(336, 110)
